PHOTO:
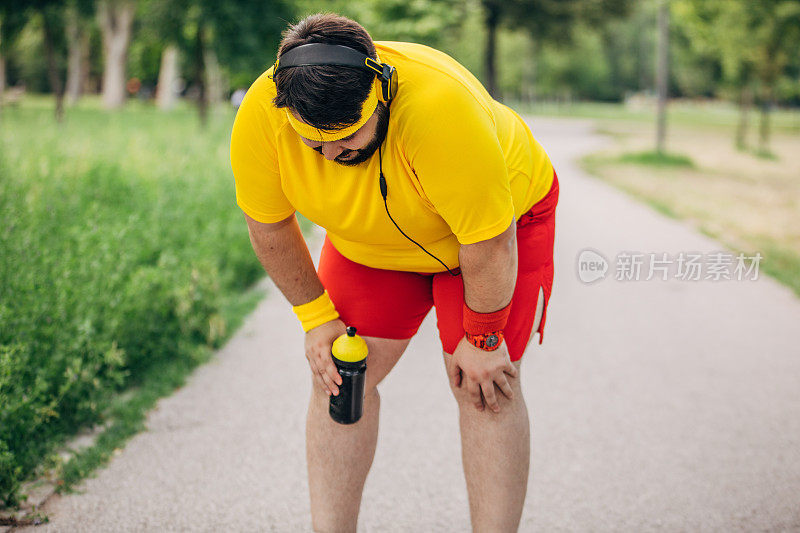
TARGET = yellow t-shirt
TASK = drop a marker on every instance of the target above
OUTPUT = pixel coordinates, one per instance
(458, 166)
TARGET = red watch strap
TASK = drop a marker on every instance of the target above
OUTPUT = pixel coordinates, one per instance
(486, 341)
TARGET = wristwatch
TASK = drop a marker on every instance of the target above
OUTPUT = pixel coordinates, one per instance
(487, 341)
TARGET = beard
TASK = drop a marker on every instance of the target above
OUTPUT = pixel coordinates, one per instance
(372, 146)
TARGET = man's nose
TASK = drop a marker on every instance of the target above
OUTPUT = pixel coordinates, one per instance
(331, 150)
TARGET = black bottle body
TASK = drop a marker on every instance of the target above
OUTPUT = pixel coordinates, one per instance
(348, 406)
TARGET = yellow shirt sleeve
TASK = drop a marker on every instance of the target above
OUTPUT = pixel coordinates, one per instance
(254, 161)
(455, 154)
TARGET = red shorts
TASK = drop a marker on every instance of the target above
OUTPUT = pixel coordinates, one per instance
(392, 304)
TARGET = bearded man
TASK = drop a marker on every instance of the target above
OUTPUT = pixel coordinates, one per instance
(432, 195)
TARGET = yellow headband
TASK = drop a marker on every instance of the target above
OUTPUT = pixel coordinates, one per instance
(316, 134)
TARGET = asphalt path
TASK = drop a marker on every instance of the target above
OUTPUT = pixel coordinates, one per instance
(655, 405)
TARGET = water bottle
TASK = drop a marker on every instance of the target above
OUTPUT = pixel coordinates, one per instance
(350, 357)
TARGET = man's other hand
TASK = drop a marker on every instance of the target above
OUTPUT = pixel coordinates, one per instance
(318, 345)
(478, 370)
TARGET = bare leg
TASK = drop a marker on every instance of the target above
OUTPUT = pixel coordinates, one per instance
(495, 450)
(339, 456)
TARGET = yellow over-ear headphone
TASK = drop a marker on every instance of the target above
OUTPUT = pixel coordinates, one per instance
(335, 54)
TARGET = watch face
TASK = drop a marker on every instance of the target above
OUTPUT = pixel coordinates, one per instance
(491, 341)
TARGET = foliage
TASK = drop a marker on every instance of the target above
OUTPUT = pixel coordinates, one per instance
(748, 39)
(753, 42)
(119, 242)
(424, 21)
(575, 49)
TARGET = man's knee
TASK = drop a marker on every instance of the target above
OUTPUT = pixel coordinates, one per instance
(463, 397)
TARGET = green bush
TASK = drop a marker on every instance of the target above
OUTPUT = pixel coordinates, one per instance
(119, 241)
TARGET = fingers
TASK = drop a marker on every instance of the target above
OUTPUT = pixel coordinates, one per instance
(491, 398)
(474, 390)
(317, 377)
(454, 373)
(511, 369)
(325, 373)
(505, 388)
(320, 382)
(329, 383)
(330, 375)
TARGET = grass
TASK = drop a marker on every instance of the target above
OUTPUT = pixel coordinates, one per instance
(657, 159)
(746, 201)
(128, 412)
(766, 154)
(124, 263)
(704, 114)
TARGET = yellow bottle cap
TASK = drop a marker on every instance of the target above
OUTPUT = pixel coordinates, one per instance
(349, 347)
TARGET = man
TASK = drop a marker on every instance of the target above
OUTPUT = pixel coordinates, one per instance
(435, 195)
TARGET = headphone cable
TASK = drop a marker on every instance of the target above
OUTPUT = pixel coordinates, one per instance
(384, 194)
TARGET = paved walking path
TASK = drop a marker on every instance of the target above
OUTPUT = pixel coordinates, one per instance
(655, 405)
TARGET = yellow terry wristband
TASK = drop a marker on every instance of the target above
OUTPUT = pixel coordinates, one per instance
(316, 312)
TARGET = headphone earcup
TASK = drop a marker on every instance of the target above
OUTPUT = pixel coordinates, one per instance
(386, 92)
(388, 84)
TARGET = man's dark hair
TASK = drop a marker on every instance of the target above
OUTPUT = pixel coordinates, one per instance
(326, 96)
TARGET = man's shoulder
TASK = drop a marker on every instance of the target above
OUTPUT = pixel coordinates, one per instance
(434, 90)
(420, 60)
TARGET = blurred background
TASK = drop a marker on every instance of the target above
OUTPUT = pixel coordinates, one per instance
(124, 261)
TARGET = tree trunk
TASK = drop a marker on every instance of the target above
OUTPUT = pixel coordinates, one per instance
(53, 74)
(662, 75)
(492, 20)
(167, 77)
(764, 126)
(645, 73)
(88, 86)
(529, 71)
(745, 103)
(612, 56)
(116, 19)
(76, 40)
(2, 74)
(214, 78)
(200, 74)
(2, 80)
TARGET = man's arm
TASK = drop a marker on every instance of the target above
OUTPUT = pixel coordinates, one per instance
(489, 273)
(283, 253)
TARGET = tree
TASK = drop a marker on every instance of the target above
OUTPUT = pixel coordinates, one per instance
(241, 34)
(777, 37)
(3, 48)
(52, 26)
(752, 41)
(161, 27)
(50, 14)
(546, 20)
(12, 19)
(116, 20)
(76, 15)
(166, 95)
(662, 74)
